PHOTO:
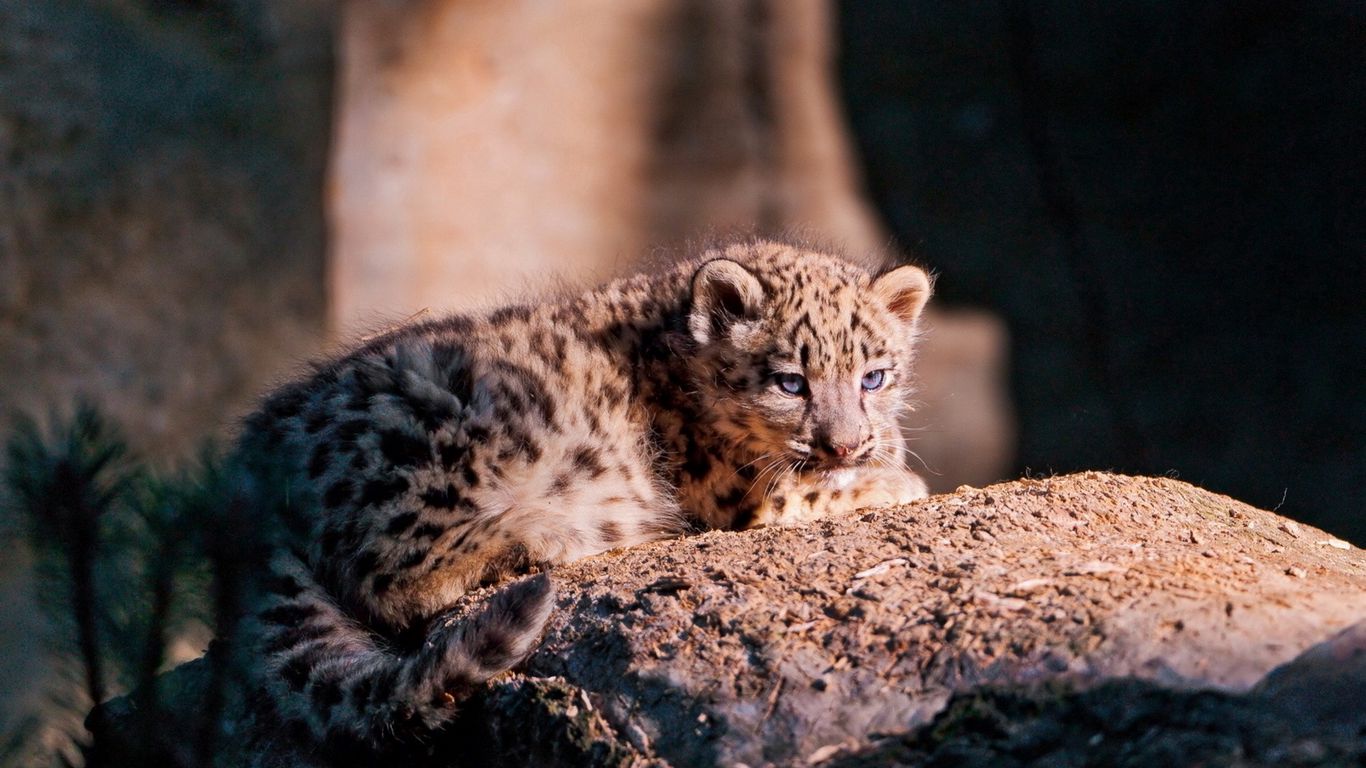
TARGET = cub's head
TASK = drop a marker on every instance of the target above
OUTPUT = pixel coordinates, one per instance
(804, 357)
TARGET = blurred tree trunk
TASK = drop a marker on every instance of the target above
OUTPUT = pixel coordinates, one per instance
(484, 150)
(475, 139)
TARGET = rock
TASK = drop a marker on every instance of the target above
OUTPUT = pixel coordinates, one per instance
(793, 645)
(1325, 684)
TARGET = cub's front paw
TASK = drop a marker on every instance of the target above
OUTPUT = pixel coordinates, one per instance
(887, 488)
(808, 498)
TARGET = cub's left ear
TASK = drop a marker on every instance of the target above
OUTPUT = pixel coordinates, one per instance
(904, 290)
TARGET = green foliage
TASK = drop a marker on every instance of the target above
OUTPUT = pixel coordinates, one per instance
(65, 482)
(126, 560)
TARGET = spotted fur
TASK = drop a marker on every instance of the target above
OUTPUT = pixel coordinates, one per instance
(460, 451)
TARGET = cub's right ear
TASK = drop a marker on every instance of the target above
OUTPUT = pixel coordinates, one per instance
(722, 293)
(904, 290)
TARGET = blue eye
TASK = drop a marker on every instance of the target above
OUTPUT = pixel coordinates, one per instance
(791, 383)
(872, 380)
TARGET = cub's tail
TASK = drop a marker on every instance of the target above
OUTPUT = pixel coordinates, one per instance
(325, 671)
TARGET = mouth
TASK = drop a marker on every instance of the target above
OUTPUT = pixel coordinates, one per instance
(828, 464)
(808, 460)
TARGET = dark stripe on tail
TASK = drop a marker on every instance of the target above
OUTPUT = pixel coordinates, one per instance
(347, 684)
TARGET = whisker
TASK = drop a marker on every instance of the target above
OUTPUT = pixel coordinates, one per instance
(923, 463)
(749, 464)
(768, 468)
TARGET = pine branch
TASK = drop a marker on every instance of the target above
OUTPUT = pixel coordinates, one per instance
(64, 486)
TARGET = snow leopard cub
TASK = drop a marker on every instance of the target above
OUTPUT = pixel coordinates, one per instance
(758, 384)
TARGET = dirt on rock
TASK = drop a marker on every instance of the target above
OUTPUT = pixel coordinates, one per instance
(773, 645)
(1034, 602)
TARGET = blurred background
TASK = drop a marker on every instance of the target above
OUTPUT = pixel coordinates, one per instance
(1148, 219)
(1166, 202)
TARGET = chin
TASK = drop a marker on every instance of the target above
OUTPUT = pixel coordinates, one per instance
(838, 477)
(833, 466)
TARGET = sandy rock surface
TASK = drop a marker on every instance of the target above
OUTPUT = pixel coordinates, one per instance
(1037, 617)
(776, 645)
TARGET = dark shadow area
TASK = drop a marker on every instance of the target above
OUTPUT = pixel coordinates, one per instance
(1166, 202)
(1121, 723)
